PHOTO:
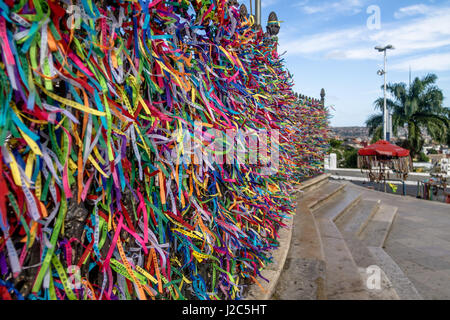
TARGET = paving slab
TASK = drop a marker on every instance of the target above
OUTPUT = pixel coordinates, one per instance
(401, 252)
(439, 263)
(428, 244)
(428, 292)
(434, 282)
(441, 233)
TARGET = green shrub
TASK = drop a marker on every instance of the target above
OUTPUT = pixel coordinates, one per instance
(422, 157)
(351, 158)
(336, 143)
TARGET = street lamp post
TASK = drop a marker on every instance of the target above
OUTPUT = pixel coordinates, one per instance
(386, 131)
(258, 12)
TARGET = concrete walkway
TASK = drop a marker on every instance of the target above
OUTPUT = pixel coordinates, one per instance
(341, 231)
(419, 242)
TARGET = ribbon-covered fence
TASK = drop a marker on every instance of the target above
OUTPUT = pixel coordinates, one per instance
(313, 117)
(148, 149)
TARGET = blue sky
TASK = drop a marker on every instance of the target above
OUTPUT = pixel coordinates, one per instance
(329, 45)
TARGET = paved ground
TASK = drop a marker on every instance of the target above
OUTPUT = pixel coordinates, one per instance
(360, 179)
(419, 242)
(410, 190)
(413, 176)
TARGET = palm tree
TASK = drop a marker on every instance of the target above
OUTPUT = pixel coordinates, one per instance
(417, 107)
(448, 131)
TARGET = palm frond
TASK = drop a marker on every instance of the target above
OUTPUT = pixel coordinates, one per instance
(373, 122)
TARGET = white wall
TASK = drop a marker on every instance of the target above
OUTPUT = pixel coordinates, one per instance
(331, 161)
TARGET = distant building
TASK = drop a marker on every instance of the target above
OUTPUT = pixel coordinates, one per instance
(361, 133)
(436, 158)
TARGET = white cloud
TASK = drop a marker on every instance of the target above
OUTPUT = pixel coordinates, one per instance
(268, 3)
(417, 34)
(336, 7)
(341, 44)
(431, 62)
(322, 42)
(414, 10)
(430, 31)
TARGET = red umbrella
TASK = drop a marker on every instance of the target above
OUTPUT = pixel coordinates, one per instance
(383, 148)
(379, 157)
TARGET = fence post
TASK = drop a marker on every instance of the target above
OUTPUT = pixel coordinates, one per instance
(418, 187)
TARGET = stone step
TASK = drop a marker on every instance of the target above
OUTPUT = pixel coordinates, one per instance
(386, 291)
(378, 228)
(339, 205)
(313, 183)
(360, 253)
(343, 280)
(356, 219)
(404, 288)
(302, 279)
(303, 275)
(317, 197)
(364, 259)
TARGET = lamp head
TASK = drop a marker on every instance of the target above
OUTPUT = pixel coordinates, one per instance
(381, 49)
